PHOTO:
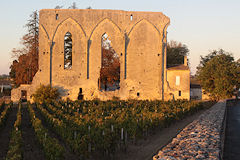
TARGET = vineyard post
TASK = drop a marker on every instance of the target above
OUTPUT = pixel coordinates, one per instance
(176, 112)
(125, 137)
(111, 128)
(45, 136)
(89, 144)
(89, 129)
(75, 135)
(89, 147)
(121, 133)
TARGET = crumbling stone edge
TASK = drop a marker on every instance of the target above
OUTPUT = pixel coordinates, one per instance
(201, 139)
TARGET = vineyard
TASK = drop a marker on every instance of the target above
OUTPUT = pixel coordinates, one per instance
(84, 129)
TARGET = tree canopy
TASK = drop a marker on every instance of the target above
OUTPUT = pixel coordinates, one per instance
(219, 74)
(25, 64)
(110, 68)
(175, 53)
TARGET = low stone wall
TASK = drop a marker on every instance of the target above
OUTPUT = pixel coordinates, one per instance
(201, 139)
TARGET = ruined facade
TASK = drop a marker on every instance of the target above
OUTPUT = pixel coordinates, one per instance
(138, 38)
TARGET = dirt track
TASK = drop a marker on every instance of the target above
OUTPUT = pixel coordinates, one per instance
(31, 149)
(5, 132)
(146, 149)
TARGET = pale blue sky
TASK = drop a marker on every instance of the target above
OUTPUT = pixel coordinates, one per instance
(202, 25)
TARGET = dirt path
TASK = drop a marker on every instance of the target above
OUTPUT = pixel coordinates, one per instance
(146, 149)
(69, 155)
(31, 149)
(5, 132)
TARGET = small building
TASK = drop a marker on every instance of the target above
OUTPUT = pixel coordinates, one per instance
(178, 81)
(195, 91)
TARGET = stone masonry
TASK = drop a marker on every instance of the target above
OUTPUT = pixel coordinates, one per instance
(139, 39)
(200, 140)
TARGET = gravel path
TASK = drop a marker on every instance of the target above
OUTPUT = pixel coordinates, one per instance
(199, 140)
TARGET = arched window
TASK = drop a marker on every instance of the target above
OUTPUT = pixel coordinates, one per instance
(68, 51)
(110, 66)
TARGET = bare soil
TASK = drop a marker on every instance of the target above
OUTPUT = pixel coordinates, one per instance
(5, 132)
(31, 148)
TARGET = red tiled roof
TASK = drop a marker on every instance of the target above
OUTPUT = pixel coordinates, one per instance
(179, 67)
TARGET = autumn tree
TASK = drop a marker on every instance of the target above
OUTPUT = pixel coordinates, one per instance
(25, 65)
(219, 74)
(175, 53)
(110, 69)
(73, 6)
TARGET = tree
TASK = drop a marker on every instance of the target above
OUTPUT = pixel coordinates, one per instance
(73, 6)
(175, 53)
(25, 65)
(58, 7)
(219, 74)
(110, 70)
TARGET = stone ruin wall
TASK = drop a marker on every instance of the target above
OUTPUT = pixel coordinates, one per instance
(137, 37)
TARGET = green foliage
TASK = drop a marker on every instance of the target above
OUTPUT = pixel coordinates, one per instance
(14, 149)
(4, 115)
(175, 53)
(99, 124)
(52, 149)
(45, 94)
(2, 104)
(218, 74)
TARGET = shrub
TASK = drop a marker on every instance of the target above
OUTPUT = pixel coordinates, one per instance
(45, 94)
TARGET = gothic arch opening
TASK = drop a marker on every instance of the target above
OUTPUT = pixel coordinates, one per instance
(95, 51)
(68, 51)
(110, 66)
